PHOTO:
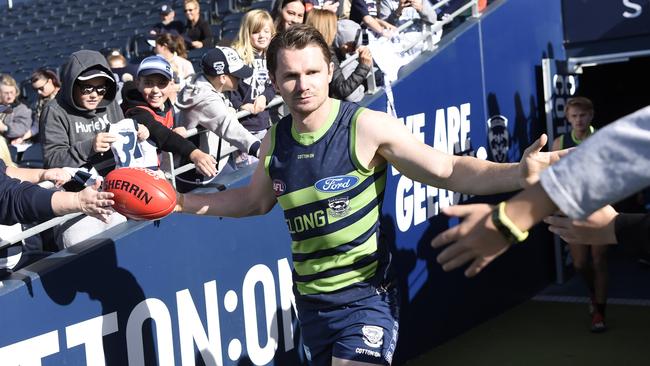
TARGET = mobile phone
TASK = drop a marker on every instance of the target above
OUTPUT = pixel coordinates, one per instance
(364, 36)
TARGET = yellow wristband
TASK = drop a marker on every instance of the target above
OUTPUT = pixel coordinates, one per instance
(508, 224)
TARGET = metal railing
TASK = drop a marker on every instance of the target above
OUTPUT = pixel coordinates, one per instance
(427, 32)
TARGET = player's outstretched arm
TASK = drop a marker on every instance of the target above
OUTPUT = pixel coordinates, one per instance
(256, 198)
(382, 134)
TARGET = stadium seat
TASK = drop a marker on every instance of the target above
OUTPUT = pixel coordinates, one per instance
(32, 157)
(265, 4)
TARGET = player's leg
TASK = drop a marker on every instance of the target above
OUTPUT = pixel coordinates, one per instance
(370, 333)
(599, 261)
(580, 256)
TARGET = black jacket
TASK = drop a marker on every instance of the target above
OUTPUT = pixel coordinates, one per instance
(23, 202)
(340, 87)
(165, 139)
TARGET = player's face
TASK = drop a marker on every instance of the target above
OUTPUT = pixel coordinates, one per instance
(155, 89)
(88, 94)
(302, 78)
(7, 94)
(260, 40)
(292, 13)
(579, 119)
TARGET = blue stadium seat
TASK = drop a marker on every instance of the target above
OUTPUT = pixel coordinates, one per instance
(32, 157)
(264, 4)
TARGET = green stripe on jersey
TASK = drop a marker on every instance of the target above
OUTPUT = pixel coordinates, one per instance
(338, 260)
(269, 154)
(337, 282)
(310, 194)
(308, 138)
(339, 237)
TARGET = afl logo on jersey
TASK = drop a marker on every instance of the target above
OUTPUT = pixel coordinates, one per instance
(279, 187)
(337, 183)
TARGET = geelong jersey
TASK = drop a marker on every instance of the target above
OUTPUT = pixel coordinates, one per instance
(332, 207)
(568, 140)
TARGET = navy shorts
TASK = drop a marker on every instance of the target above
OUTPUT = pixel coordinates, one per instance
(363, 331)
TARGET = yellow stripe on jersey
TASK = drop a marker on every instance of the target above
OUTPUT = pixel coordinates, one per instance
(339, 237)
(337, 282)
(338, 260)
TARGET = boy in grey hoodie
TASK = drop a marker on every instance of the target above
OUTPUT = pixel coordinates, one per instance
(202, 102)
(75, 124)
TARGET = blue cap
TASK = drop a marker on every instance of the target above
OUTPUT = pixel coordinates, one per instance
(155, 65)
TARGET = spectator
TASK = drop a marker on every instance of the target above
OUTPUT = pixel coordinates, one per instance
(167, 23)
(254, 93)
(202, 102)
(398, 12)
(365, 12)
(120, 66)
(579, 111)
(348, 84)
(16, 120)
(74, 125)
(47, 84)
(172, 48)
(147, 102)
(122, 71)
(288, 13)
(22, 201)
(197, 30)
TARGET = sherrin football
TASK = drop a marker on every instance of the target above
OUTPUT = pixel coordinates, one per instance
(140, 194)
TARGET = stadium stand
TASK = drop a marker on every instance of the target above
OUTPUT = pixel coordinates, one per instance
(44, 33)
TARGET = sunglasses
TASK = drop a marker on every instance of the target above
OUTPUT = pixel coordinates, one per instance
(89, 89)
(42, 88)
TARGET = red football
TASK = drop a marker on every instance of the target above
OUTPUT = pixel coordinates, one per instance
(140, 194)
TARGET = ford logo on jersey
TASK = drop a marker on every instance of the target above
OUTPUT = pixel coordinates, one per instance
(337, 183)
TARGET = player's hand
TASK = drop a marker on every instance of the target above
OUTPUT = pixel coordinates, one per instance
(143, 132)
(57, 175)
(94, 203)
(474, 240)
(259, 105)
(534, 161)
(205, 163)
(365, 57)
(597, 229)
(102, 142)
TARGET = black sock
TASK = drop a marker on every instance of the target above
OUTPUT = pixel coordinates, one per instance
(600, 307)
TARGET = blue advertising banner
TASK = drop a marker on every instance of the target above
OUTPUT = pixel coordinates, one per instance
(598, 20)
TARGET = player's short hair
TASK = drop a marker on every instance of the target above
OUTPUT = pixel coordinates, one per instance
(297, 37)
(579, 102)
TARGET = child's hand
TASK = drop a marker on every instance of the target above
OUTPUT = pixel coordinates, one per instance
(143, 132)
